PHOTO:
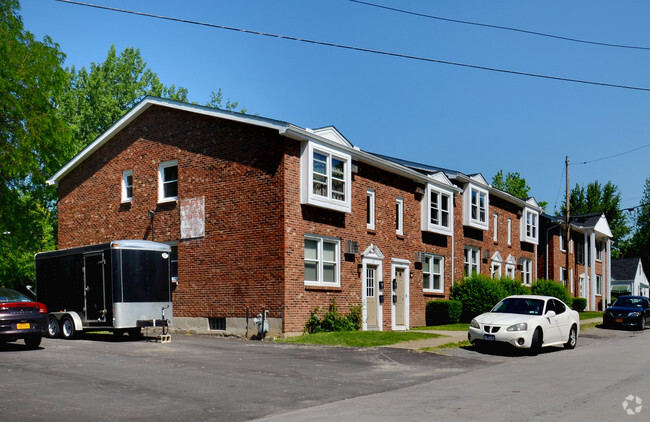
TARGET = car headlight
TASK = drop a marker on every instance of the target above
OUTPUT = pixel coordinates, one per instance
(522, 326)
(474, 324)
(634, 314)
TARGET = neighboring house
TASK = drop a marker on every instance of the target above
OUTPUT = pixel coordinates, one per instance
(629, 278)
(587, 273)
(263, 215)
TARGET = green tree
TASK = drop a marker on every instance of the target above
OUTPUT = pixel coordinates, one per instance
(639, 243)
(596, 198)
(34, 142)
(514, 184)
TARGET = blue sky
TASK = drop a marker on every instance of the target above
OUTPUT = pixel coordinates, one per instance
(460, 118)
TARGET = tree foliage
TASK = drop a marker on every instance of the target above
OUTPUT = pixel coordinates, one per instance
(639, 243)
(34, 142)
(596, 198)
(514, 184)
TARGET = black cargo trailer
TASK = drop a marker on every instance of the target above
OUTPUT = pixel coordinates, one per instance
(119, 286)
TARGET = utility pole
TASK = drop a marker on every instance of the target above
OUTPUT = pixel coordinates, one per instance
(568, 229)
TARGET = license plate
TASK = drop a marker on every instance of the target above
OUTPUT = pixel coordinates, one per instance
(22, 326)
(619, 319)
(488, 337)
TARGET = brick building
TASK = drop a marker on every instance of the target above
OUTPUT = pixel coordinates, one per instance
(265, 215)
(587, 273)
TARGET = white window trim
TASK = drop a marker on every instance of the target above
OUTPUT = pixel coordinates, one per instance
(495, 223)
(161, 191)
(599, 285)
(337, 255)
(426, 216)
(472, 264)
(562, 240)
(371, 211)
(125, 175)
(534, 215)
(432, 274)
(307, 194)
(467, 208)
(509, 231)
(399, 217)
(527, 271)
(511, 271)
(599, 251)
(174, 244)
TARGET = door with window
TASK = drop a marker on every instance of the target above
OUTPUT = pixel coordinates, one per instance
(400, 293)
(372, 297)
(94, 288)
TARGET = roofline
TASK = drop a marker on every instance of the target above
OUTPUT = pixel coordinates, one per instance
(285, 129)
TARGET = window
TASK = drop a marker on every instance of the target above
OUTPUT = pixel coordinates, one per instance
(509, 231)
(580, 252)
(127, 185)
(599, 251)
(436, 211)
(326, 177)
(562, 241)
(399, 216)
(322, 261)
(599, 285)
(495, 225)
(476, 207)
(511, 271)
(433, 274)
(472, 260)
(370, 209)
(526, 271)
(496, 270)
(168, 181)
(563, 276)
(529, 226)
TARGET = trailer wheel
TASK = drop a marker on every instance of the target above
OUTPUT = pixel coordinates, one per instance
(53, 327)
(67, 327)
(135, 332)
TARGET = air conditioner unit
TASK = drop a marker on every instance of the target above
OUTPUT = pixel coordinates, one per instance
(419, 256)
(351, 247)
(486, 254)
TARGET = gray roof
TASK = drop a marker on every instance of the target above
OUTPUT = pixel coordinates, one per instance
(423, 168)
(625, 268)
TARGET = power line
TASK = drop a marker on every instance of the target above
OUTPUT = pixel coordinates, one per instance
(361, 49)
(504, 28)
(615, 155)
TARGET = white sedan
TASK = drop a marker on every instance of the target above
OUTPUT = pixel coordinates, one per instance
(527, 322)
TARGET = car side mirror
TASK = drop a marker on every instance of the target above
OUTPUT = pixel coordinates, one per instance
(550, 314)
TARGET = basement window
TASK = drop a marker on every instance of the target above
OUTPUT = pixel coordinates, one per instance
(217, 324)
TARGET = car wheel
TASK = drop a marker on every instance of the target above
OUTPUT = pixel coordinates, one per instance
(536, 343)
(33, 342)
(53, 328)
(573, 338)
(642, 324)
(67, 328)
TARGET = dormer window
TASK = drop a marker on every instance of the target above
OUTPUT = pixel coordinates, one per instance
(326, 177)
(437, 210)
(530, 226)
(476, 207)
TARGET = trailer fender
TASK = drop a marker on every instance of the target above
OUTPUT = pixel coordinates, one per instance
(78, 325)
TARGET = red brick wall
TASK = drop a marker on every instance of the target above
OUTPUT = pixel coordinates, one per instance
(237, 168)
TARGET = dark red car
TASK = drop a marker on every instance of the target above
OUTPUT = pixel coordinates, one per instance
(21, 318)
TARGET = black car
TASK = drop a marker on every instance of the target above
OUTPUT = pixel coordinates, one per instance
(632, 311)
(21, 318)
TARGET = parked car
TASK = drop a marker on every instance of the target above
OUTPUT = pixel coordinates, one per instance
(631, 311)
(21, 318)
(527, 322)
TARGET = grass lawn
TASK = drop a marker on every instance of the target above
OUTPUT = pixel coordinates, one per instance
(461, 326)
(358, 338)
(590, 314)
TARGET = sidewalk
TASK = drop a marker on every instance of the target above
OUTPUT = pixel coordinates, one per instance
(452, 337)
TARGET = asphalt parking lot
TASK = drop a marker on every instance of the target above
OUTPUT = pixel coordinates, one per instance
(100, 377)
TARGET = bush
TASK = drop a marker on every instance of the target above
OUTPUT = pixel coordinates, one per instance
(478, 294)
(513, 287)
(579, 304)
(333, 320)
(552, 288)
(440, 312)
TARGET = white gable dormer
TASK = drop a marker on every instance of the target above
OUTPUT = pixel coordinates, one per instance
(529, 228)
(332, 134)
(437, 205)
(476, 203)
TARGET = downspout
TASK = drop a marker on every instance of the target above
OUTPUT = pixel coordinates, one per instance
(592, 263)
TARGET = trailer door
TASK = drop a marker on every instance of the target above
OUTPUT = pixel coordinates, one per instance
(94, 287)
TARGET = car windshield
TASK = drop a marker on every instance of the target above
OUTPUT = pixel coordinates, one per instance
(8, 295)
(522, 306)
(629, 302)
